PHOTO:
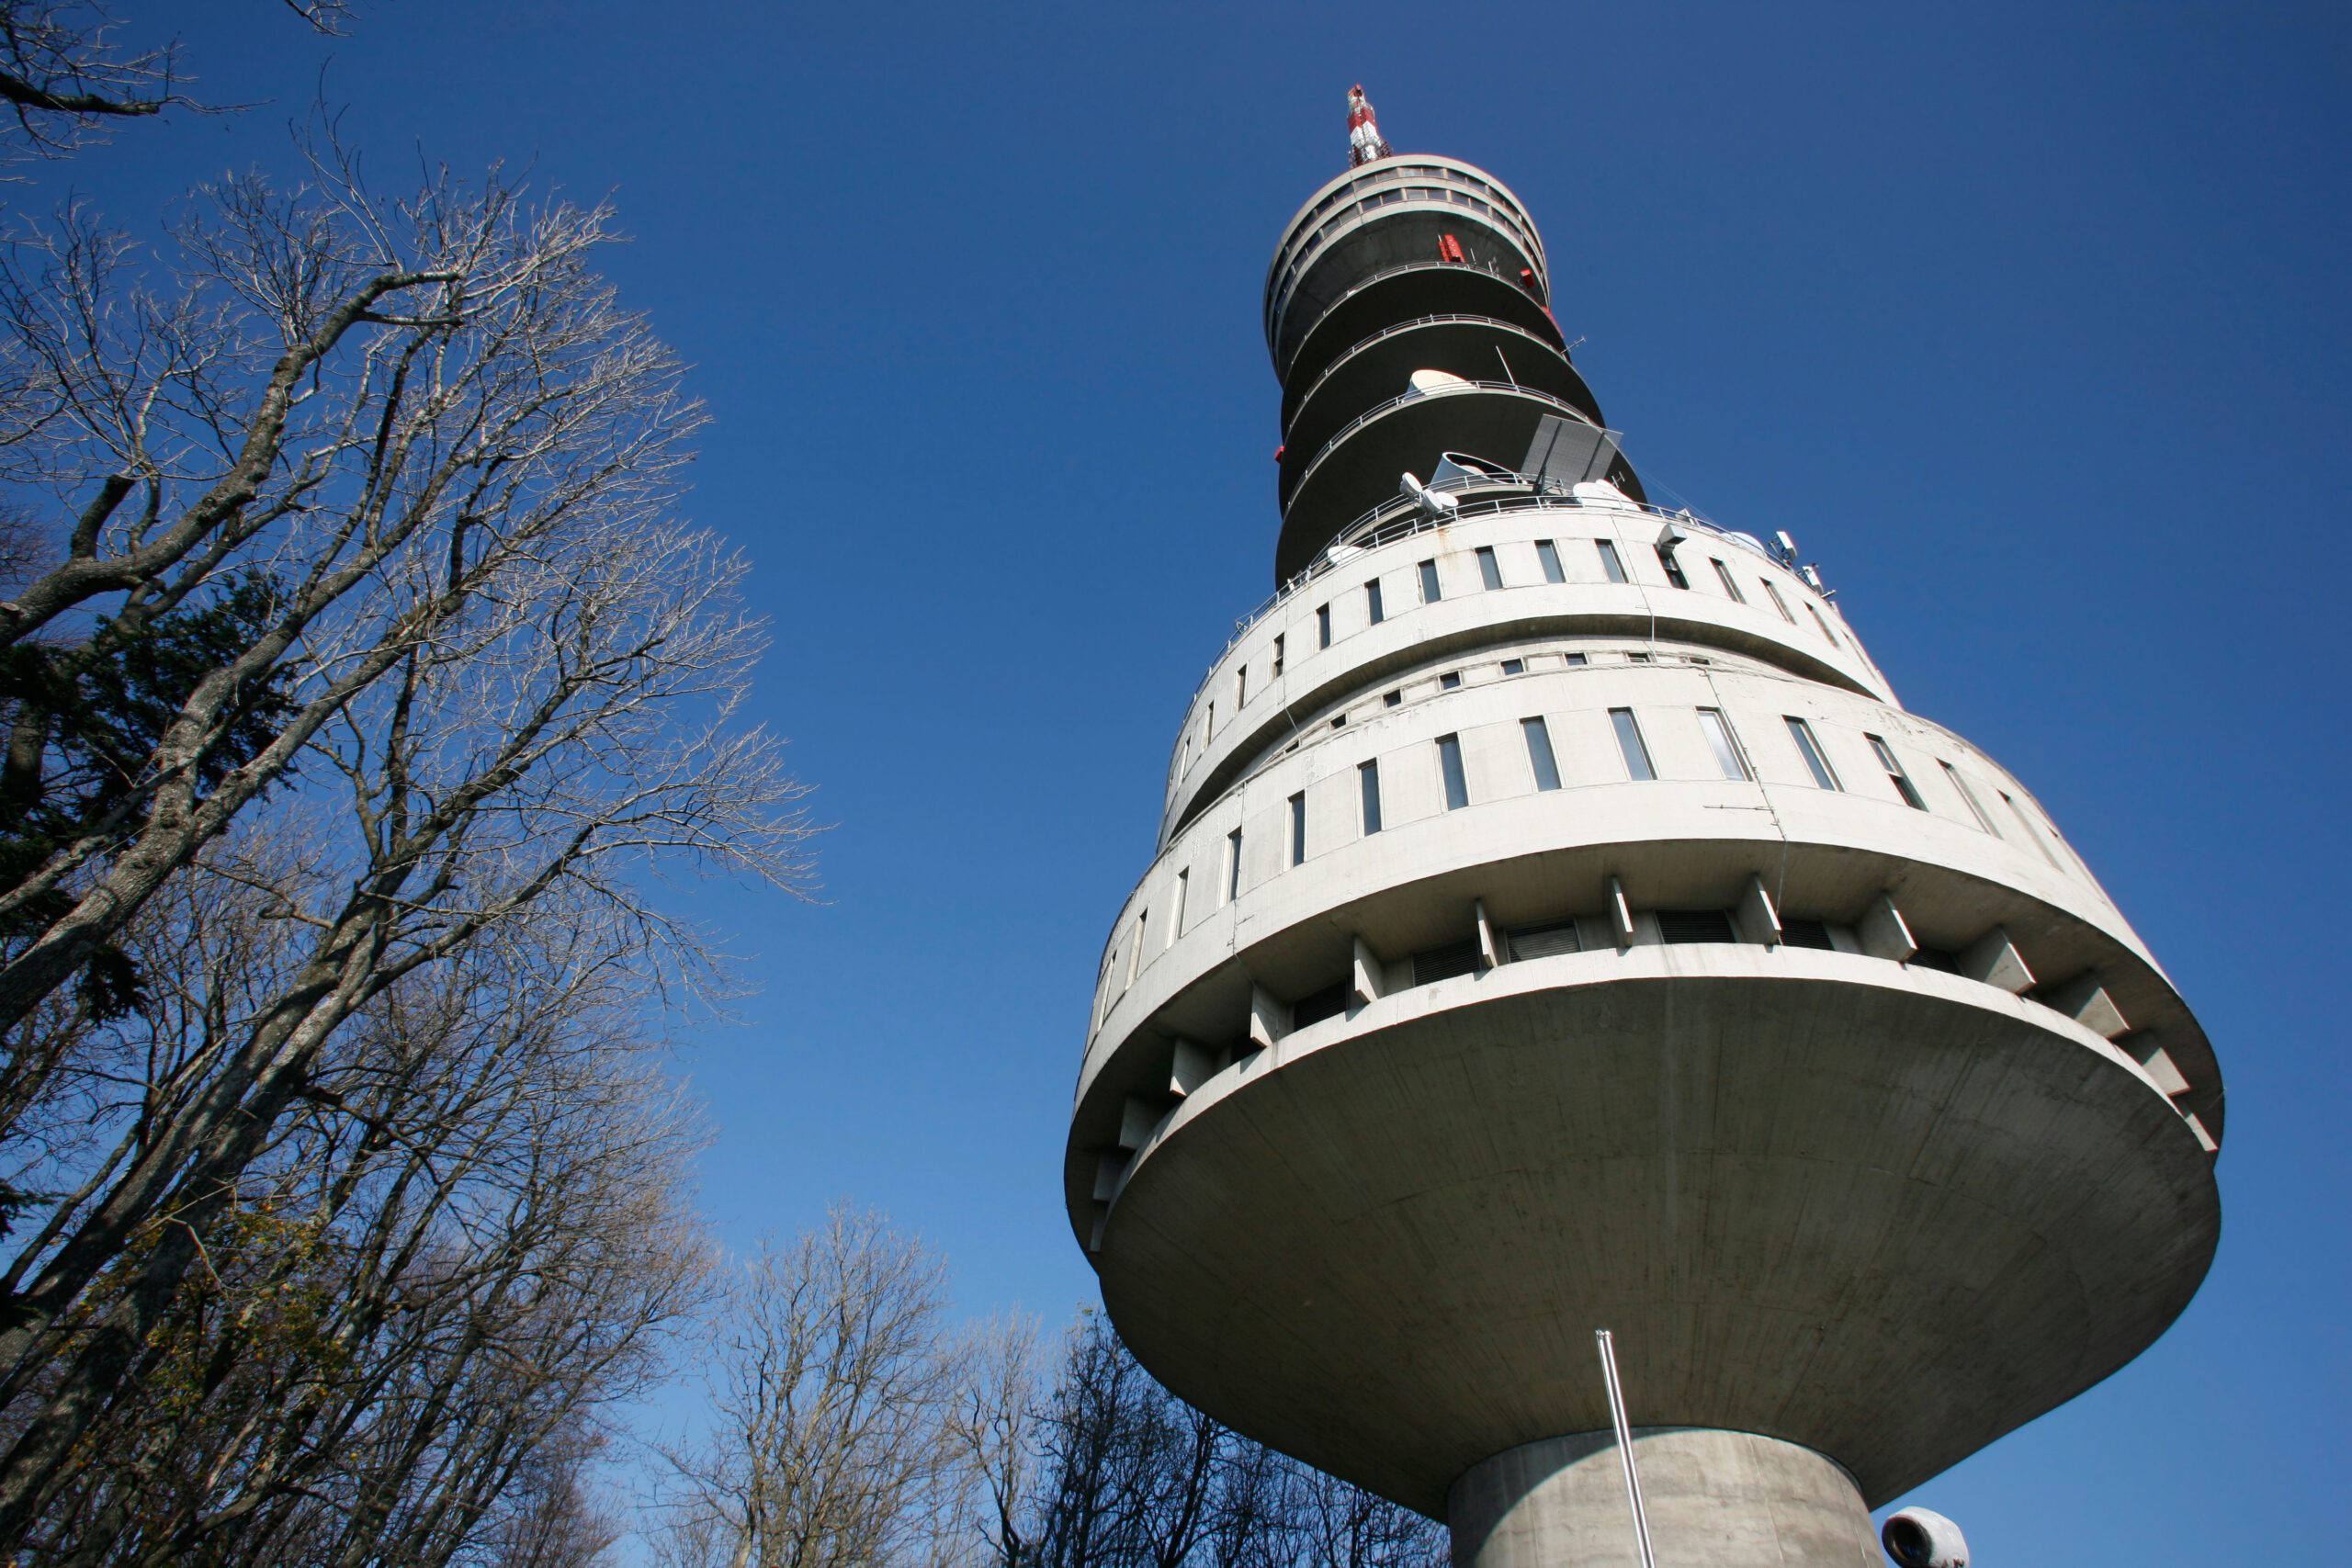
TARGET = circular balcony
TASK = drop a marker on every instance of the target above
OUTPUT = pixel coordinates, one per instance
(1416, 290)
(1471, 346)
(1390, 238)
(1360, 467)
(1388, 189)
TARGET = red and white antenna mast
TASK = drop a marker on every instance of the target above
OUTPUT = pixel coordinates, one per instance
(1363, 132)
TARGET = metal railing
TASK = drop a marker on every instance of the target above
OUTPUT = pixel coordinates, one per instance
(1282, 370)
(1451, 390)
(1341, 360)
(1304, 234)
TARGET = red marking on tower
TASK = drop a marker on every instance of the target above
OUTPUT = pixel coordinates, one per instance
(1364, 143)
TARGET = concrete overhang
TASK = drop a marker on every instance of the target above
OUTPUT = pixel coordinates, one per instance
(1825, 857)
(1884, 1212)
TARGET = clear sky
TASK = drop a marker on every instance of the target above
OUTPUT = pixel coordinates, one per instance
(2029, 321)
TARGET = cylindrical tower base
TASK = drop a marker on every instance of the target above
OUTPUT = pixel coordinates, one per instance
(1712, 1497)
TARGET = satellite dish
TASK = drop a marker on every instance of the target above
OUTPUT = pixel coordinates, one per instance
(1426, 381)
(1434, 504)
(1461, 466)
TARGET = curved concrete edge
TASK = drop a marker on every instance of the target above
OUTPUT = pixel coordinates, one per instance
(1395, 170)
(1597, 969)
(1711, 1498)
(1447, 1178)
(2154, 1002)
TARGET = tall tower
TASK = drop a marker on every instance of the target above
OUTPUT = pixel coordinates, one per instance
(1558, 924)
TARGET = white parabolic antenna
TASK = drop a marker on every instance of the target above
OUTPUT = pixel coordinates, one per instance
(1434, 381)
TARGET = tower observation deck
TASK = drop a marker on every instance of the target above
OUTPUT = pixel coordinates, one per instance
(1558, 923)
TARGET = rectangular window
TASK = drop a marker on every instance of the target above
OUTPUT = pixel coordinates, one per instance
(1637, 659)
(1429, 594)
(1694, 925)
(1629, 741)
(1802, 733)
(1548, 556)
(1176, 915)
(1208, 731)
(1322, 626)
(1298, 828)
(1779, 603)
(1895, 775)
(1368, 784)
(1233, 865)
(1539, 753)
(1824, 625)
(1449, 763)
(1673, 567)
(1241, 688)
(1390, 699)
(1317, 1006)
(1278, 654)
(1489, 572)
(1445, 963)
(1969, 795)
(1514, 666)
(1731, 584)
(1578, 661)
(1799, 932)
(2031, 837)
(1545, 940)
(1135, 948)
(1724, 744)
(1450, 681)
(1609, 565)
(1372, 602)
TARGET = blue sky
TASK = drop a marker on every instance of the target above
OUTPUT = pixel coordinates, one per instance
(2029, 321)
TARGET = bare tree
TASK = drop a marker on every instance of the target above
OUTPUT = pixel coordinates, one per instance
(399, 481)
(64, 77)
(1130, 1476)
(992, 1429)
(834, 1386)
(465, 1245)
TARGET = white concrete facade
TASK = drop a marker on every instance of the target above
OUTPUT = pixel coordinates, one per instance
(1583, 935)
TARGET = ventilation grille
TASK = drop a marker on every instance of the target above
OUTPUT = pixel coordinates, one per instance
(1317, 1006)
(1445, 963)
(1806, 933)
(1544, 941)
(1694, 925)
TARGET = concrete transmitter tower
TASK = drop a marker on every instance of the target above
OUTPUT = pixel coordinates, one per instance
(1558, 924)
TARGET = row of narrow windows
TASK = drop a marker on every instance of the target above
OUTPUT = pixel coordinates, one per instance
(1491, 578)
(1633, 749)
(1723, 743)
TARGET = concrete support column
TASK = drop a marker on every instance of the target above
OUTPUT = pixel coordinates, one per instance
(1714, 1498)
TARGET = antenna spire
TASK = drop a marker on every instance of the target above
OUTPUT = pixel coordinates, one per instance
(1364, 142)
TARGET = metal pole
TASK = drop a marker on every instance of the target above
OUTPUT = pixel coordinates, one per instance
(1625, 1446)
